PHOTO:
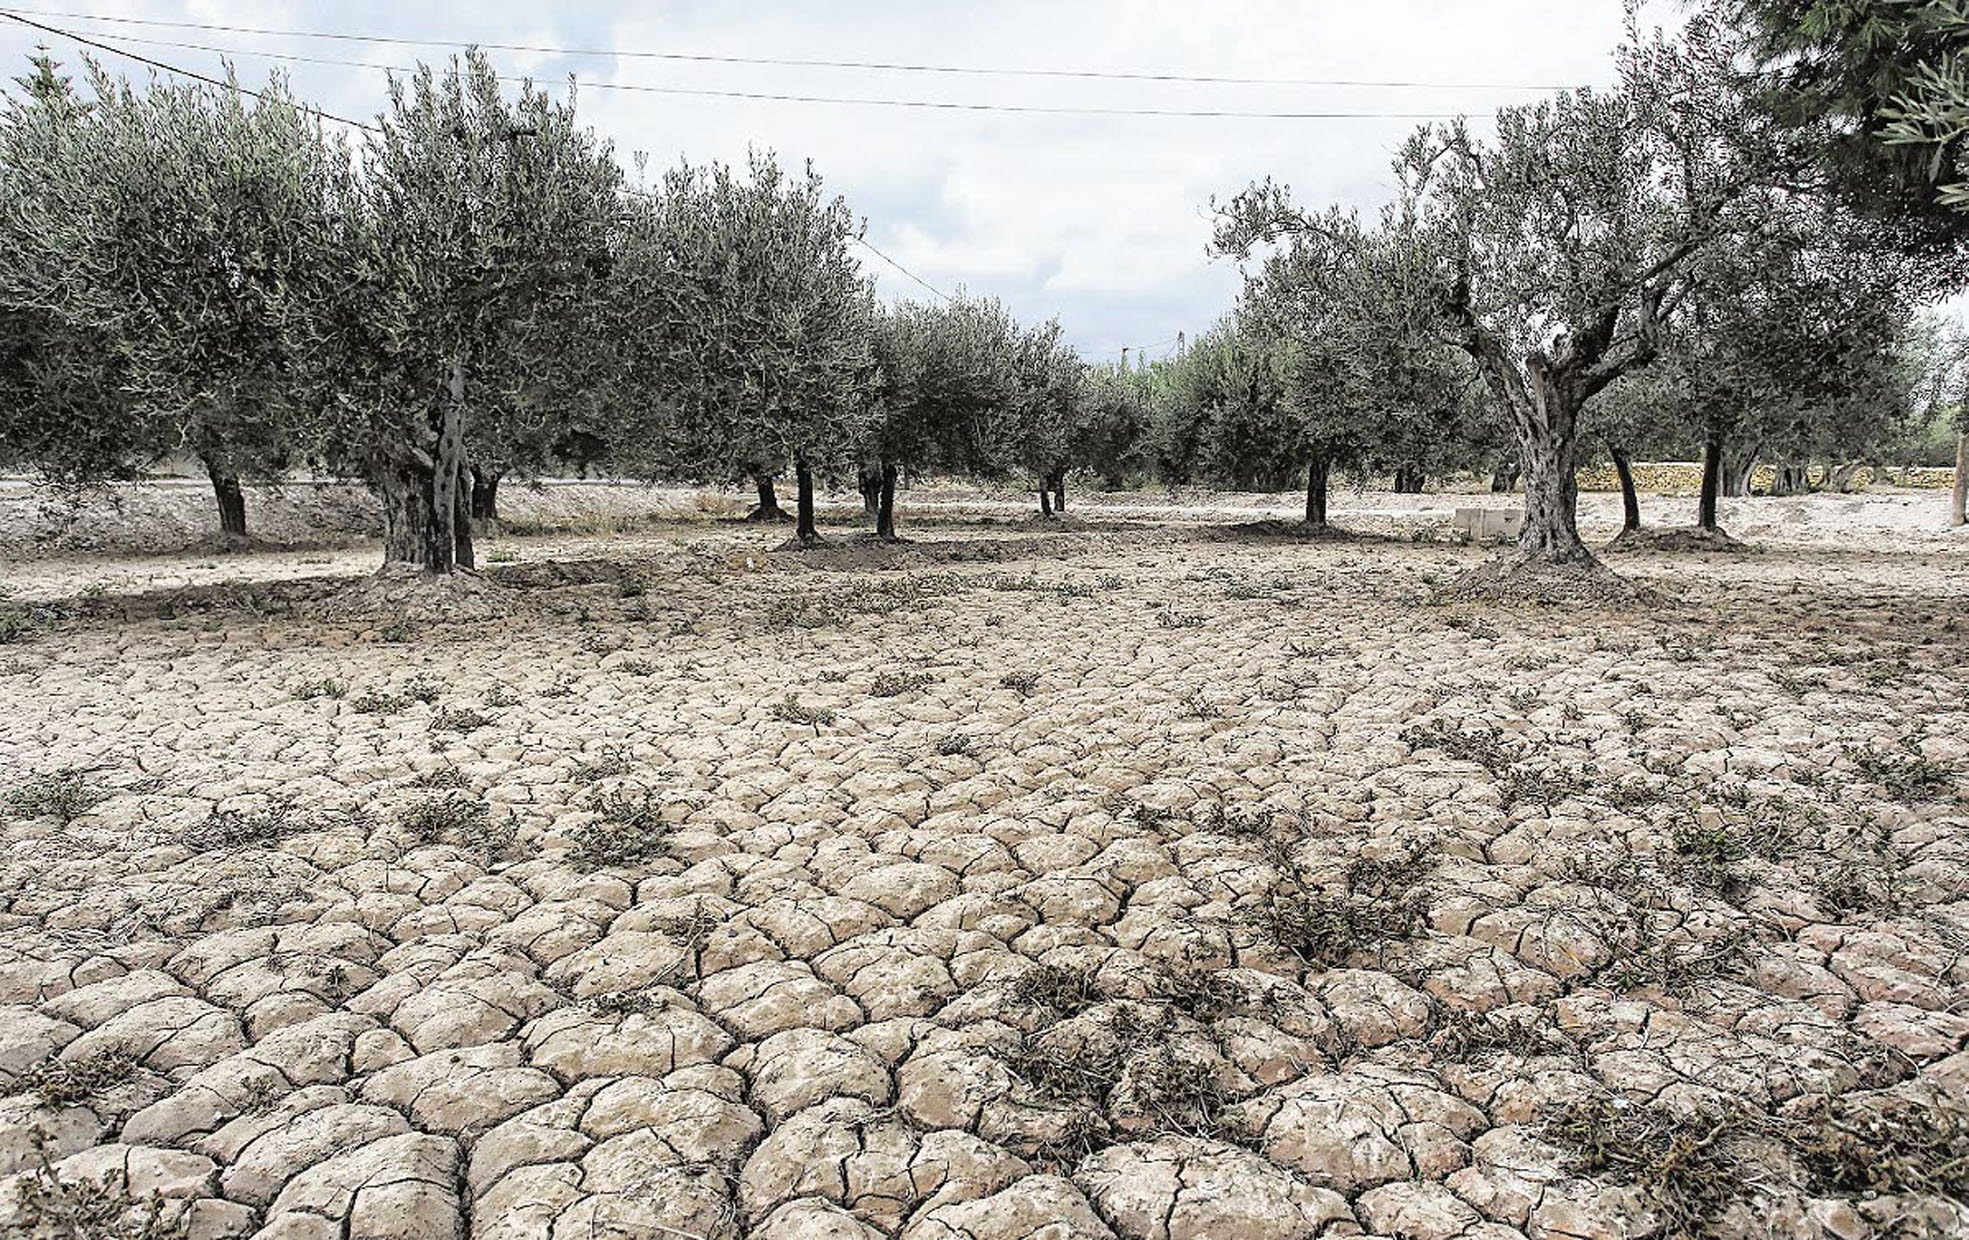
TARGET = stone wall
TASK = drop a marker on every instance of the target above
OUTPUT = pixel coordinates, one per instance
(1685, 477)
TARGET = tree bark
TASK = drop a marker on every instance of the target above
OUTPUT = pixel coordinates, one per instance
(1712, 480)
(415, 530)
(463, 553)
(450, 480)
(1316, 479)
(1550, 534)
(1504, 478)
(1737, 474)
(1045, 503)
(885, 503)
(871, 491)
(768, 508)
(1630, 501)
(485, 494)
(805, 530)
(1060, 492)
(1958, 507)
(427, 503)
(226, 489)
(1409, 480)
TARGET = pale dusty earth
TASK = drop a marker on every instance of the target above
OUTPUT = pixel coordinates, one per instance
(1133, 877)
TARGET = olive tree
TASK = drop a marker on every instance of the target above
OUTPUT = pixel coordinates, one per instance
(1366, 385)
(1790, 345)
(211, 214)
(754, 324)
(1050, 439)
(1553, 253)
(65, 408)
(948, 394)
(174, 229)
(1221, 412)
(1116, 405)
(476, 250)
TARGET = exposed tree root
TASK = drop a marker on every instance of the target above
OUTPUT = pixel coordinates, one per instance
(1520, 577)
(1677, 539)
(406, 594)
(796, 543)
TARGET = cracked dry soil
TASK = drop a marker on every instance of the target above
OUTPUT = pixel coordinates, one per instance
(1137, 885)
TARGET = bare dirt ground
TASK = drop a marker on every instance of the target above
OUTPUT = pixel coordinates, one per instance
(1129, 879)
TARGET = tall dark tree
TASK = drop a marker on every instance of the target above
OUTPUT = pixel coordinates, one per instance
(1884, 85)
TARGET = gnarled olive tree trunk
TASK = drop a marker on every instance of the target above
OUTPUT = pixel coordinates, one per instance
(804, 529)
(1550, 534)
(226, 489)
(1630, 500)
(1544, 396)
(870, 482)
(1712, 480)
(885, 502)
(768, 508)
(427, 514)
(1738, 469)
(1317, 474)
(1060, 492)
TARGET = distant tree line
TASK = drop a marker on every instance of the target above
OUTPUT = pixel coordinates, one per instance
(471, 292)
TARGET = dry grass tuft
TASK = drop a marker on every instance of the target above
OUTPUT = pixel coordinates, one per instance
(1325, 930)
(234, 828)
(63, 795)
(1066, 991)
(629, 830)
(1689, 1169)
(67, 1082)
(790, 710)
(1883, 1145)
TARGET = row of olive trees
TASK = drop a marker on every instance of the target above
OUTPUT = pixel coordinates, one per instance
(1596, 234)
(1276, 392)
(471, 292)
(198, 270)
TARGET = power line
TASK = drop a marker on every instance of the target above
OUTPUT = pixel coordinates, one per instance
(780, 97)
(899, 267)
(798, 62)
(158, 64)
(190, 73)
(168, 68)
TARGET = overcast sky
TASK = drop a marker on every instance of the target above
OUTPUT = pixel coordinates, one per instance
(1100, 220)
